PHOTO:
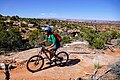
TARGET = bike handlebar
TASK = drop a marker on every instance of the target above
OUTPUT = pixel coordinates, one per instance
(43, 46)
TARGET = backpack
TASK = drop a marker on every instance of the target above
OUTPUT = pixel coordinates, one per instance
(57, 36)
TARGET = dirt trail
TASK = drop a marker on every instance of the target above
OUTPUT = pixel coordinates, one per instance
(79, 65)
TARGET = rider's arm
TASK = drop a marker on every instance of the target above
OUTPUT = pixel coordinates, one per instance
(42, 42)
(50, 46)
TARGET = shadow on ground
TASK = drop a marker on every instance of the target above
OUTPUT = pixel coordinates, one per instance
(71, 62)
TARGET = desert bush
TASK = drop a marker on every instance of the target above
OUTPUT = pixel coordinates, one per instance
(24, 25)
(114, 34)
(98, 43)
(34, 37)
(10, 39)
(66, 39)
(94, 37)
(2, 26)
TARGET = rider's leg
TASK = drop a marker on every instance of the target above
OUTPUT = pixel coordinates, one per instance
(51, 56)
(51, 53)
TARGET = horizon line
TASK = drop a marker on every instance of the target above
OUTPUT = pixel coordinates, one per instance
(62, 18)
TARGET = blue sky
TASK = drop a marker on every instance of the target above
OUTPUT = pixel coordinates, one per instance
(69, 9)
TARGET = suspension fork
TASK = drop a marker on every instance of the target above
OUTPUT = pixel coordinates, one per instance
(40, 53)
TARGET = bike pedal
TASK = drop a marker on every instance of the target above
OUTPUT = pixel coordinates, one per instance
(54, 60)
(49, 62)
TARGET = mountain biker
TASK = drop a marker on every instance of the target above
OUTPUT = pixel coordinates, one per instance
(50, 38)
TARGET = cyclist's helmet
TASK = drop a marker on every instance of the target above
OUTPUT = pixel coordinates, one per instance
(48, 28)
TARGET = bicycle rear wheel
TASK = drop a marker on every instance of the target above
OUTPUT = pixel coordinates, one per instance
(62, 58)
(35, 63)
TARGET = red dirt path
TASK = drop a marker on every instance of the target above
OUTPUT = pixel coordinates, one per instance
(79, 65)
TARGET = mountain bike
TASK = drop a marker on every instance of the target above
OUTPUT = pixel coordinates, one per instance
(36, 62)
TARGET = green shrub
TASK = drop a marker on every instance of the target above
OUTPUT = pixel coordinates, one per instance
(2, 26)
(98, 43)
(66, 39)
(114, 34)
(11, 39)
(95, 38)
(24, 25)
(34, 37)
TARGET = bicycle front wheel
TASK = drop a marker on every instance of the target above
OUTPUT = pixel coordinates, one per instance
(62, 58)
(35, 63)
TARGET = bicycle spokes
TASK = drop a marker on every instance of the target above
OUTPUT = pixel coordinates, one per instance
(62, 58)
(35, 63)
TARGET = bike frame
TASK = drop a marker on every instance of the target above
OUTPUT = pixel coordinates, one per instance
(59, 59)
(43, 50)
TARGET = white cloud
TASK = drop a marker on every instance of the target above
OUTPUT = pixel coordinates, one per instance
(43, 14)
(49, 14)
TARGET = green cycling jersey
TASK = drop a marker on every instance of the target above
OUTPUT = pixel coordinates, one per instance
(51, 39)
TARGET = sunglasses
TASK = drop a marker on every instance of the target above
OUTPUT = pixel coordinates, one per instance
(46, 31)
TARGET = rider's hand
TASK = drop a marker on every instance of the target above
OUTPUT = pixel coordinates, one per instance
(46, 47)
